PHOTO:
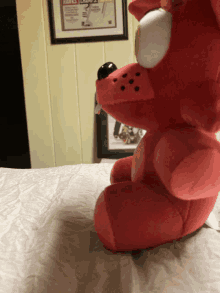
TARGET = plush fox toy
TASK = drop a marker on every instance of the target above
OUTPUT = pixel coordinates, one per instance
(169, 187)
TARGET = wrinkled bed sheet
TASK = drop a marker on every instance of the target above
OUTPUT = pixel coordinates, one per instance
(48, 242)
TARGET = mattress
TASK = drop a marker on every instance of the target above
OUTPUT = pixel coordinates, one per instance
(48, 242)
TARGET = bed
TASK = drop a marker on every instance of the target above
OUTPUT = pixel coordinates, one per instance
(48, 242)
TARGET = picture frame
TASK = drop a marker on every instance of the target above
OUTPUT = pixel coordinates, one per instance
(79, 21)
(108, 146)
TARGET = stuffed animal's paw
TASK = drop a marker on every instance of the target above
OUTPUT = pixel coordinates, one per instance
(121, 170)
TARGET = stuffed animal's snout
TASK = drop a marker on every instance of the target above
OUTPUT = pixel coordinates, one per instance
(129, 83)
(128, 87)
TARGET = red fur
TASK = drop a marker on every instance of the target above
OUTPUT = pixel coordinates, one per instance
(169, 187)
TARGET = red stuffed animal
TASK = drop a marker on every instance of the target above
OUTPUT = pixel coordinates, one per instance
(168, 188)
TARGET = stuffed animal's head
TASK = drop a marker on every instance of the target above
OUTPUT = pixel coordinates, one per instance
(176, 77)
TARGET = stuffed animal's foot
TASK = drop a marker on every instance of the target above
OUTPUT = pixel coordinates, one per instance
(130, 216)
(197, 176)
(121, 170)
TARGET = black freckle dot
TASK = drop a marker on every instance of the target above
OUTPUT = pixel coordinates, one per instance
(123, 88)
(131, 81)
(124, 75)
(136, 88)
(138, 74)
(115, 79)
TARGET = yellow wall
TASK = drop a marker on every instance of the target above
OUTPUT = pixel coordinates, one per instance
(59, 85)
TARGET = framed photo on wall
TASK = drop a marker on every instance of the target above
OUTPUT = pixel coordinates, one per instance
(78, 21)
(116, 140)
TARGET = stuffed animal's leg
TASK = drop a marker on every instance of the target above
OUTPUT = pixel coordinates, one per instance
(187, 162)
(131, 216)
(121, 170)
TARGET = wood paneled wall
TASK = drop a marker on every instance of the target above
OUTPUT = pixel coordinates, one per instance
(59, 83)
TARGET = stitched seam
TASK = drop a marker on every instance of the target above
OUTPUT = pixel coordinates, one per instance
(183, 228)
(118, 103)
(189, 207)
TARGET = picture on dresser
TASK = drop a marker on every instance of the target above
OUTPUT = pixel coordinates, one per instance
(78, 21)
(115, 139)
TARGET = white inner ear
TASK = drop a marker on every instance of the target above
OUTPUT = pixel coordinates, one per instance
(153, 37)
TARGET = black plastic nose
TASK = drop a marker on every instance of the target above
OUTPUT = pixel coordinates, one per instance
(106, 69)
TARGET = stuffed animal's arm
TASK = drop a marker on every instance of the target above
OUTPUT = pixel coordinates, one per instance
(187, 163)
(200, 105)
(216, 7)
(121, 170)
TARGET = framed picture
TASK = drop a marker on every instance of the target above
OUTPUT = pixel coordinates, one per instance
(78, 21)
(114, 139)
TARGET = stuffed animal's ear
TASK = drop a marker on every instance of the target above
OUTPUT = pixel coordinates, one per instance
(216, 7)
(172, 5)
(139, 8)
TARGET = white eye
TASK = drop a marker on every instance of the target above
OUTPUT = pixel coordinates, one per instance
(153, 37)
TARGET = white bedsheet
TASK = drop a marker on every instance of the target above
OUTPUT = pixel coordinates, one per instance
(48, 242)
